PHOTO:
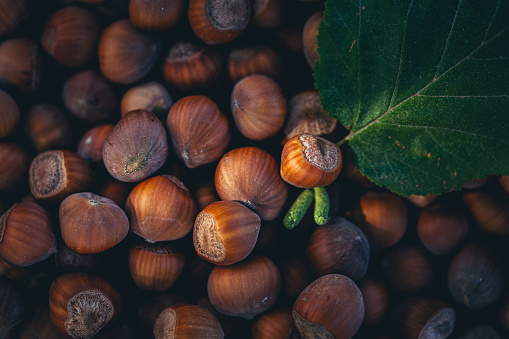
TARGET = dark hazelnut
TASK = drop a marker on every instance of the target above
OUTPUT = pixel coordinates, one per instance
(11, 13)
(330, 307)
(277, 324)
(187, 321)
(259, 107)
(232, 291)
(474, 276)
(91, 224)
(199, 131)
(250, 175)
(338, 247)
(54, 175)
(48, 127)
(490, 211)
(205, 194)
(12, 308)
(309, 161)
(161, 208)
(267, 13)
(26, 234)
(376, 299)
(136, 147)
(424, 318)
(81, 305)
(217, 21)
(504, 182)
(258, 59)
(150, 96)
(70, 36)
(90, 147)
(39, 325)
(14, 165)
(191, 67)
(20, 64)
(296, 276)
(155, 267)
(383, 217)
(309, 34)
(125, 54)
(481, 331)
(118, 191)
(158, 15)
(71, 261)
(150, 307)
(88, 96)
(9, 115)
(225, 232)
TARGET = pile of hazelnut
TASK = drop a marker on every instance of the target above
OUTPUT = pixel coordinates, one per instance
(149, 151)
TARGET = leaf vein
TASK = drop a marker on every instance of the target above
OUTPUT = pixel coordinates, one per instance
(447, 40)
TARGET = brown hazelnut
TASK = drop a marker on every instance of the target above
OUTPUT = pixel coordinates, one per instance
(232, 291)
(250, 175)
(267, 13)
(14, 165)
(199, 131)
(91, 224)
(205, 194)
(309, 34)
(125, 54)
(150, 307)
(11, 13)
(383, 217)
(490, 211)
(474, 276)
(54, 175)
(91, 143)
(306, 115)
(424, 318)
(309, 161)
(277, 324)
(422, 200)
(88, 96)
(441, 228)
(118, 191)
(259, 107)
(191, 67)
(48, 127)
(161, 208)
(70, 36)
(338, 247)
(9, 115)
(71, 261)
(20, 64)
(504, 182)
(158, 15)
(150, 96)
(187, 321)
(217, 21)
(330, 307)
(376, 299)
(250, 60)
(26, 234)
(296, 276)
(225, 232)
(155, 267)
(136, 147)
(81, 305)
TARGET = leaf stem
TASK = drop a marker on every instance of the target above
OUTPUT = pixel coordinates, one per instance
(344, 140)
(298, 209)
(322, 205)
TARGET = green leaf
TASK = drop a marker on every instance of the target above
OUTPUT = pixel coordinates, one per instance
(423, 87)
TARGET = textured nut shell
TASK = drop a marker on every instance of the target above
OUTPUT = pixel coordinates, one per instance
(150, 96)
(198, 129)
(160, 209)
(330, 307)
(232, 291)
(309, 161)
(67, 286)
(26, 234)
(250, 175)
(225, 232)
(91, 224)
(9, 115)
(136, 147)
(155, 15)
(259, 59)
(125, 54)
(183, 321)
(276, 324)
(258, 106)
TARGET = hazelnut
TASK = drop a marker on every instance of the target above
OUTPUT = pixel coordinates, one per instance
(490, 211)
(267, 13)
(91, 224)
(54, 175)
(158, 15)
(329, 307)
(48, 127)
(161, 208)
(277, 324)
(11, 13)
(205, 194)
(258, 106)
(90, 147)
(39, 325)
(250, 175)
(136, 147)
(504, 182)
(125, 54)
(187, 321)
(218, 21)
(225, 232)
(9, 115)
(26, 234)
(309, 161)
(155, 267)
(199, 131)
(150, 307)
(191, 67)
(118, 191)
(14, 165)
(20, 64)
(309, 34)
(232, 291)
(150, 96)
(81, 305)
(12, 308)
(376, 299)
(250, 60)
(69, 260)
